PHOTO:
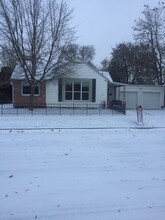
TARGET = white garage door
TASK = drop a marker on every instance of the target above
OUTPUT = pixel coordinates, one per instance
(151, 100)
(131, 99)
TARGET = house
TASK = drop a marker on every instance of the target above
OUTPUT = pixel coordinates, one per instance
(83, 86)
(148, 96)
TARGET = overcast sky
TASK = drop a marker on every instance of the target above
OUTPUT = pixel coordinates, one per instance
(105, 23)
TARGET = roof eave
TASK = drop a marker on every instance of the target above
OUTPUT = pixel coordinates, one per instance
(116, 84)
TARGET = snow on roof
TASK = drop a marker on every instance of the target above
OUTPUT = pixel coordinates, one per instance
(107, 75)
(18, 72)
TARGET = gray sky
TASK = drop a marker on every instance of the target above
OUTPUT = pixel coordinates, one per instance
(105, 23)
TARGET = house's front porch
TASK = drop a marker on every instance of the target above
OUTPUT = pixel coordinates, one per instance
(115, 101)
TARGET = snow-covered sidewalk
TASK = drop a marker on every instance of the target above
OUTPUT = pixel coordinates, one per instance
(151, 119)
(82, 174)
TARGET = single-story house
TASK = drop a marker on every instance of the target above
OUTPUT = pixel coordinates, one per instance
(83, 86)
(148, 96)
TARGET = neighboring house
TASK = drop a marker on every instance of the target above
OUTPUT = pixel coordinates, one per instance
(148, 96)
(83, 86)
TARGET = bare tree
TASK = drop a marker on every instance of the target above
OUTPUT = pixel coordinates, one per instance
(150, 30)
(71, 52)
(38, 31)
(86, 53)
(105, 64)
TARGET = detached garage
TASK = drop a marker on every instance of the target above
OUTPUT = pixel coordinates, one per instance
(150, 97)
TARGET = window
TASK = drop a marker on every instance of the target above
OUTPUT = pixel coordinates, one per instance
(26, 89)
(77, 90)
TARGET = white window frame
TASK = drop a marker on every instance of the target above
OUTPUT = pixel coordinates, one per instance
(72, 91)
(27, 84)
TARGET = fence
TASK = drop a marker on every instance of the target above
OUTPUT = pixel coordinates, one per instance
(59, 109)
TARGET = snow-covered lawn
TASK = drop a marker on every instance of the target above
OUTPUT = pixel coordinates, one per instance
(51, 171)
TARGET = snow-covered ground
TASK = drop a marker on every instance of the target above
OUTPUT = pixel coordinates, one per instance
(82, 167)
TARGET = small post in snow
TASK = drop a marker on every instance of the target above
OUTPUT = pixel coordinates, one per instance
(139, 111)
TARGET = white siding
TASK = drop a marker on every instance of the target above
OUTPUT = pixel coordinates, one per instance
(51, 93)
(151, 100)
(81, 71)
(131, 99)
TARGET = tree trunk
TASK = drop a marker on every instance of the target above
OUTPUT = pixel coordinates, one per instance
(31, 98)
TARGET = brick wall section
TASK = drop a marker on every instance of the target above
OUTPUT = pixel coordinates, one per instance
(20, 100)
